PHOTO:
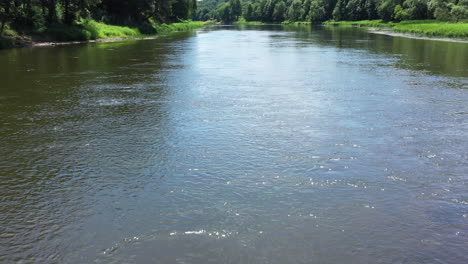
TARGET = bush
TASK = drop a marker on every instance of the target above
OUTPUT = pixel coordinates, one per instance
(7, 42)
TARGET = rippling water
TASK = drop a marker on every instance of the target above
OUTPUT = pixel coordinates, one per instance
(236, 145)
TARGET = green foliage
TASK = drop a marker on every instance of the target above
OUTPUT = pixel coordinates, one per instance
(416, 9)
(249, 12)
(279, 11)
(339, 12)
(459, 10)
(371, 9)
(89, 30)
(386, 9)
(295, 11)
(65, 20)
(362, 23)
(306, 7)
(236, 9)
(7, 42)
(356, 10)
(433, 28)
(399, 13)
(317, 11)
(228, 12)
(183, 26)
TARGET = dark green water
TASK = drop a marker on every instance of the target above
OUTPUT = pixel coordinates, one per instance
(236, 145)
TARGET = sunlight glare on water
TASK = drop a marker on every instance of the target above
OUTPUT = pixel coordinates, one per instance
(236, 145)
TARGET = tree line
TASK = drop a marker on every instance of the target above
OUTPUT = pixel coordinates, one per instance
(338, 10)
(38, 14)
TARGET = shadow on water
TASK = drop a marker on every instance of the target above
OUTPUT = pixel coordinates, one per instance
(61, 110)
(263, 145)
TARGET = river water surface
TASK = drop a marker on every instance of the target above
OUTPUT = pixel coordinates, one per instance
(236, 145)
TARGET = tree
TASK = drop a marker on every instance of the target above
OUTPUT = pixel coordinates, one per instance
(339, 12)
(356, 10)
(295, 11)
(440, 9)
(317, 11)
(5, 6)
(279, 11)
(459, 10)
(268, 9)
(371, 9)
(386, 9)
(236, 9)
(306, 8)
(416, 9)
(249, 12)
(399, 13)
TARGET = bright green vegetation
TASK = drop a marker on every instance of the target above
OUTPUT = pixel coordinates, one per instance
(242, 21)
(11, 38)
(362, 23)
(91, 30)
(433, 28)
(316, 11)
(287, 22)
(88, 30)
(161, 28)
(74, 20)
(427, 17)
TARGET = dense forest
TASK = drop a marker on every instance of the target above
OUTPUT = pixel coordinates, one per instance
(322, 10)
(36, 15)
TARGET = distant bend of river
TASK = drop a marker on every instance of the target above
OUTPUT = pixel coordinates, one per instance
(236, 145)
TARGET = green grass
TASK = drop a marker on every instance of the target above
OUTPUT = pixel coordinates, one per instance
(88, 30)
(100, 30)
(433, 28)
(362, 23)
(243, 22)
(92, 30)
(182, 26)
(297, 23)
(430, 28)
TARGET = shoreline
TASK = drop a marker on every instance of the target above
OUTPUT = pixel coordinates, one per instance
(393, 33)
(25, 41)
(389, 28)
(64, 43)
(381, 30)
(416, 29)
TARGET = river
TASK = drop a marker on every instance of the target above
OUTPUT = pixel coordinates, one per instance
(250, 144)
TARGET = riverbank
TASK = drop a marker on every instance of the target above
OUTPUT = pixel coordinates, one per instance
(414, 28)
(253, 23)
(422, 28)
(90, 31)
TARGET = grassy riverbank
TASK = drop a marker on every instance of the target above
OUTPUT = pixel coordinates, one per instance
(430, 28)
(243, 22)
(433, 28)
(362, 23)
(90, 30)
